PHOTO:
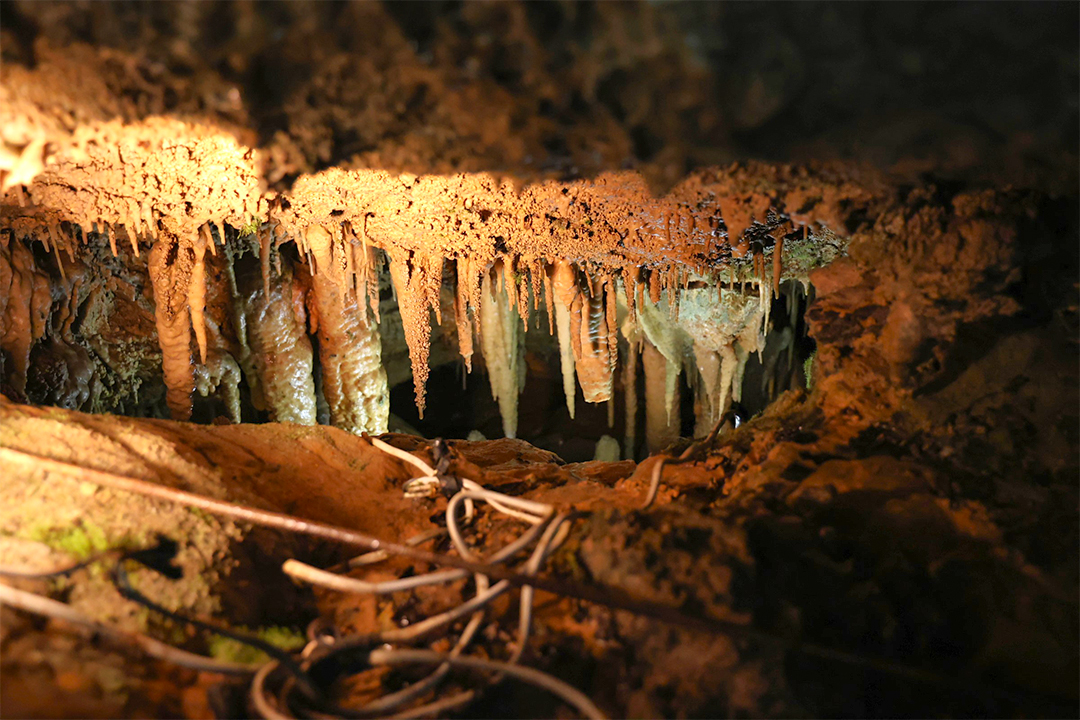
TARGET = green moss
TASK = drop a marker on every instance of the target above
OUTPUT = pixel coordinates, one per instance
(229, 650)
(252, 227)
(80, 540)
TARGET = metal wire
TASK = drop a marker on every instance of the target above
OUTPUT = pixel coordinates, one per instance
(40, 605)
(546, 529)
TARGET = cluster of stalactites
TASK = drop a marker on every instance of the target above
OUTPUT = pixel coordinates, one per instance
(670, 320)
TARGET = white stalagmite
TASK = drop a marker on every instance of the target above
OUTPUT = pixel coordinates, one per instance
(607, 449)
(353, 378)
(503, 347)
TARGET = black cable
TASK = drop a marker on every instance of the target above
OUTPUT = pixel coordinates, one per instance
(159, 558)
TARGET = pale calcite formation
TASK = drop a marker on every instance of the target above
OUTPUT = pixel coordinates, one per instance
(503, 346)
(353, 378)
(277, 354)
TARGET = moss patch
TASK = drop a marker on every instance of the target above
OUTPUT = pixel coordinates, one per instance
(230, 650)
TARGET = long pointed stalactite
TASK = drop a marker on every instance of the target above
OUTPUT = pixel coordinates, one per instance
(684, 306)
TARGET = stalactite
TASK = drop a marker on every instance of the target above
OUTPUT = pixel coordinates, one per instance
(660, 394)
(196, 298)
(266, 245)
(549, 296)
(777, 264)
(793, 320)
(631, 283)
(353, 377)
(500, 338)
(707, 410)
(593, 347)
(728, 365)
(110, 236)
(169, 267)
(417, 282)
(536, 279)
(462, 318)
(566, 296)
(630, 402)
(655, 287)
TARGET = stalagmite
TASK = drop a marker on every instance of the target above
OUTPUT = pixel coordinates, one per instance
(280, 354)
(564, 289)
(501, 341)
(169, 267)
(607, 449)
(661, 426)
(25, 298)
(220, 374)
(353, 377)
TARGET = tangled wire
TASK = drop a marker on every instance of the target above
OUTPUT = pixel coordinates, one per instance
(291, 686)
